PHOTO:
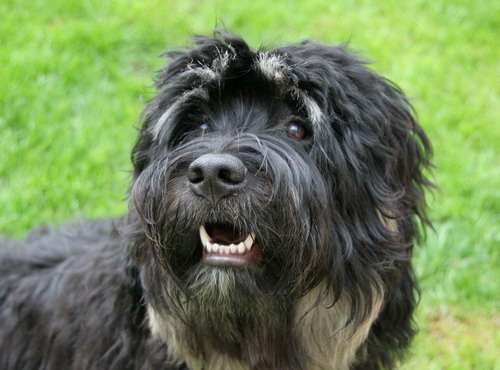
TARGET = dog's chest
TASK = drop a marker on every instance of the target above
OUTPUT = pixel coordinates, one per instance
(328, 337)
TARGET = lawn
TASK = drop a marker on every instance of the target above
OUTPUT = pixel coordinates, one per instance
(75, 75)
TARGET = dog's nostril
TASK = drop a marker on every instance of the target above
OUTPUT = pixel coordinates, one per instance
(195, 175)
(230, 176)
(225, 176)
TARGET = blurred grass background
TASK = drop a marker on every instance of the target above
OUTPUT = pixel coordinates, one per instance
(74, 76)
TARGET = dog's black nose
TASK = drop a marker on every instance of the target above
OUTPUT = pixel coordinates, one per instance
(215, 176)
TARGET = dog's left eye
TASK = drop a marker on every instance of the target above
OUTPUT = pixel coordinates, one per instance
(202, 128)
(296, 130)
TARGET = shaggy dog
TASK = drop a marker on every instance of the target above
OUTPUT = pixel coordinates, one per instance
(275, 200)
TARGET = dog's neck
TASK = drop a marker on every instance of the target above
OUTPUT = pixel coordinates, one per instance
(328, 336)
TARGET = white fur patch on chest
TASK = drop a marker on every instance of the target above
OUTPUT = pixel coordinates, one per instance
(325, 332)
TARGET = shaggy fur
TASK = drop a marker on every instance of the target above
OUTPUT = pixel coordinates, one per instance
(318, 161)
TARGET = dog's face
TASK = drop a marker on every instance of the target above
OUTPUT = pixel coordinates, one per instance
(260, 175)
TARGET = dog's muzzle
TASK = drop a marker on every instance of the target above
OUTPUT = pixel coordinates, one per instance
(214, 177)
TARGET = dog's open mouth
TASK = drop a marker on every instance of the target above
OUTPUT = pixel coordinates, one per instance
(224, 245)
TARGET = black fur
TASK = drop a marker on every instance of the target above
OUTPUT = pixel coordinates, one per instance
(336, 206)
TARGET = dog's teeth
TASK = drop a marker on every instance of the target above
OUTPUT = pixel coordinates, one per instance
(205, 239)
(211, 247)
(249, 241)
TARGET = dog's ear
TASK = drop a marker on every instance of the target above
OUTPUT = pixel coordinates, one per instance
(379, 159)
(379, 153)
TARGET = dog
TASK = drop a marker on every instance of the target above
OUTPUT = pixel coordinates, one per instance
(275, 201)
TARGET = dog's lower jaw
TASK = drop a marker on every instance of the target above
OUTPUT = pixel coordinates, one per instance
(329, 339)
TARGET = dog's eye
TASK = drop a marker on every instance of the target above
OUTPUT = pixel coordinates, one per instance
(202, 128)
(296, 130)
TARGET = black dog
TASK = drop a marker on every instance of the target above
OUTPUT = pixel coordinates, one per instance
(275, 201)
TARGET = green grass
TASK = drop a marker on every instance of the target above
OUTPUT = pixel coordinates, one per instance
(74, 77)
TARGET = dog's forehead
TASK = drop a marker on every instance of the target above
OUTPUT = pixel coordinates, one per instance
(250, 113)
(267, 70)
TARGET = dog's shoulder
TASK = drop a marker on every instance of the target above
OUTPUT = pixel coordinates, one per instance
(57, 286)
(46, 248)
(52, 265)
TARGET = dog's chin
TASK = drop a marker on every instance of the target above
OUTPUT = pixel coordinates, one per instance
(221, 261)
(231, 304)
(226, 282)
(232, 275)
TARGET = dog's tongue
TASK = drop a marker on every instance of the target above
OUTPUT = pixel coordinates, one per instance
(222, 234)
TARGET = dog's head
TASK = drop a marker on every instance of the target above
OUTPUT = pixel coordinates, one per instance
(260, 175)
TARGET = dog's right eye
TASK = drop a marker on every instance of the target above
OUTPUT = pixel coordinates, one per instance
(296, 130)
